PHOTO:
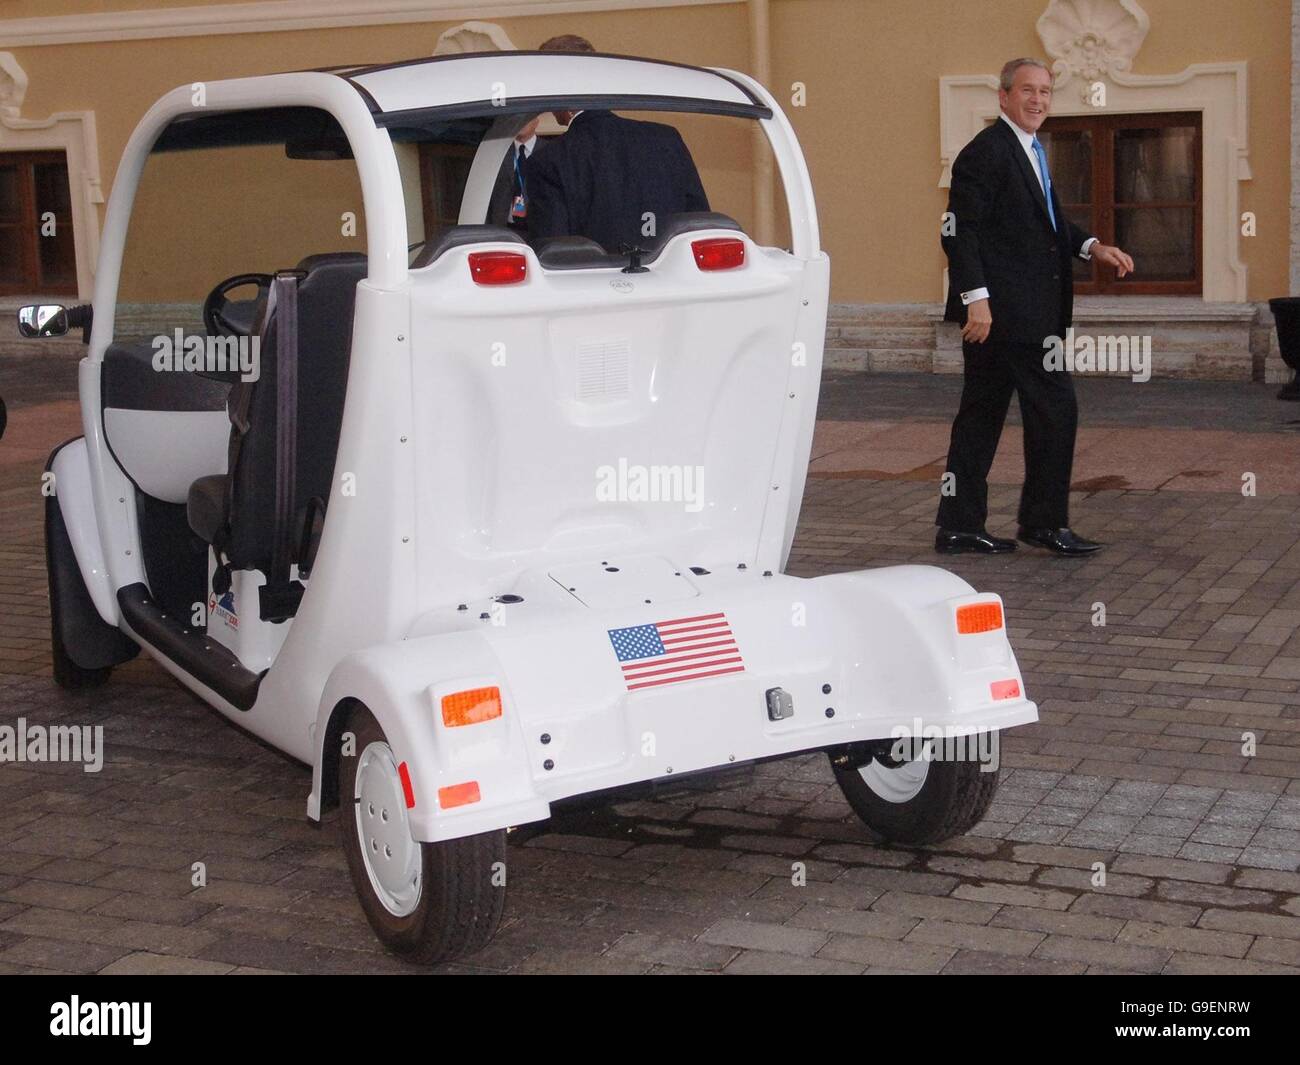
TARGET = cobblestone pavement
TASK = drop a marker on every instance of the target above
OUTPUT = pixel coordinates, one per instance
(1137, 762)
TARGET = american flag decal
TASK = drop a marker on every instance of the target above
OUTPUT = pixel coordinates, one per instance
(677, 650)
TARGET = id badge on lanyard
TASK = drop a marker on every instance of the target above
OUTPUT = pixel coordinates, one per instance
(519, 205)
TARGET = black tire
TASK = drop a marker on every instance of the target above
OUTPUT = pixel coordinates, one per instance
(459, 908)
(953, 799)
(75, 624)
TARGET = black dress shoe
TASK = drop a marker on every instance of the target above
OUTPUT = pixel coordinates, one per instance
(956, 543)
(1059, 541)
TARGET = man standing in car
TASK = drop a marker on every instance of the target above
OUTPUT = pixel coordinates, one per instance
(1010, 248)
(613, 180)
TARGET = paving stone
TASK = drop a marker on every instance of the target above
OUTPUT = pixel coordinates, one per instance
(757, 935)
(1016, 895)
(886, 952)
(142, 963)
(1078, 925)
(975, 937)
(981, 963)
(853, 922)
(1168, 913)
(1128, 956)
(1189, 940)
(950, 909)
(668, 950)
(1258, 924)
(765, 963)
(1135, 761)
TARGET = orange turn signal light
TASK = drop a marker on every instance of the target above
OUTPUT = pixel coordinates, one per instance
(497, 267)
(458, 794)
(979, 617)
(471, 707)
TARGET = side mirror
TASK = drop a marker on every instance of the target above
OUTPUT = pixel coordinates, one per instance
(45, 320)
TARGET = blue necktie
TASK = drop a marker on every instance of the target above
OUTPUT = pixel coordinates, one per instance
(1047, 179)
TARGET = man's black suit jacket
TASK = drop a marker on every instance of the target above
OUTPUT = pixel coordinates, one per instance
(1003, 241)
(602, 177)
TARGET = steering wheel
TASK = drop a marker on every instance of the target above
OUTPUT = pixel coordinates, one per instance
(219, 315)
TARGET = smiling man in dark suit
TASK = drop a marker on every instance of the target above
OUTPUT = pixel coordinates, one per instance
(1010, 249)
(609, 178)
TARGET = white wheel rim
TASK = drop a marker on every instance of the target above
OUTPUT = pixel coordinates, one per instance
(898, 785)
(391, 853)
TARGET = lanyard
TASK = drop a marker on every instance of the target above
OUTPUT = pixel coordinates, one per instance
(519, 174)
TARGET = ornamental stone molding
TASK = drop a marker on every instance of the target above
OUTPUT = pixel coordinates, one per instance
(1092, 39)
(474, 37)
(13, 85)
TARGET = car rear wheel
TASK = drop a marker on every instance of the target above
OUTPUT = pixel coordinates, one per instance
(427, 902)
(918, 801)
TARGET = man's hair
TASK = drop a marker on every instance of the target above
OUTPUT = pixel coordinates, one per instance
(1008, 77)
(566, 42)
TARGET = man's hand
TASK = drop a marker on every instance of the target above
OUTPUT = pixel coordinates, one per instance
(979, 320)
(1112, 256)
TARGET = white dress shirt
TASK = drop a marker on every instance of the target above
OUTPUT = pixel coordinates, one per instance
(1027, 143)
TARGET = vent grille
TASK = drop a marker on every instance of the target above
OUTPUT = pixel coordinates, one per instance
(603, 369)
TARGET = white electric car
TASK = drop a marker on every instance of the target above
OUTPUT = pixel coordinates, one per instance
(495, 525)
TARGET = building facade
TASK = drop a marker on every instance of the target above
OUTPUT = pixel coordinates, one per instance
(1175, 133)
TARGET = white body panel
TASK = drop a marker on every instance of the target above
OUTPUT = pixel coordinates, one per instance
(72, 488)
(195, 447)
(884, 641)
(474, 482)
(471, 79)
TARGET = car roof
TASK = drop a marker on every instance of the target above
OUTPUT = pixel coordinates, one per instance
(475, 83)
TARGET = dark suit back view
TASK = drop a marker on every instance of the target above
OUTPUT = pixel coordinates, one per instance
(1003, 239)
(604, 176)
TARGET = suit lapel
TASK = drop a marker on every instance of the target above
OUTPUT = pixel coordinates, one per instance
(1026, 170)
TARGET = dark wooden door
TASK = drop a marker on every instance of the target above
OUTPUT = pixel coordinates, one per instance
(37, 253)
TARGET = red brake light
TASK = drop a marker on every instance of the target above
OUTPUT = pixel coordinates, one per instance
(497, 267)
(719, 253)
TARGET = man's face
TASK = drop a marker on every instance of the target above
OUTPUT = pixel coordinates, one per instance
(1029, 99)
(527, 132)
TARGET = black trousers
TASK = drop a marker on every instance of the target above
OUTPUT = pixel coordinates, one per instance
(1050, 415)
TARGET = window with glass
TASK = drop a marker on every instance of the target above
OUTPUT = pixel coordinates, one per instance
(1134, 181)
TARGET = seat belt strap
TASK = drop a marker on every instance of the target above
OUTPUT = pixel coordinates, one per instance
(238, 407)
(285, 294)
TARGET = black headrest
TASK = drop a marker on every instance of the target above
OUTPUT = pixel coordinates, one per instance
(581, 253)
(575, 253)
(455, 236)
